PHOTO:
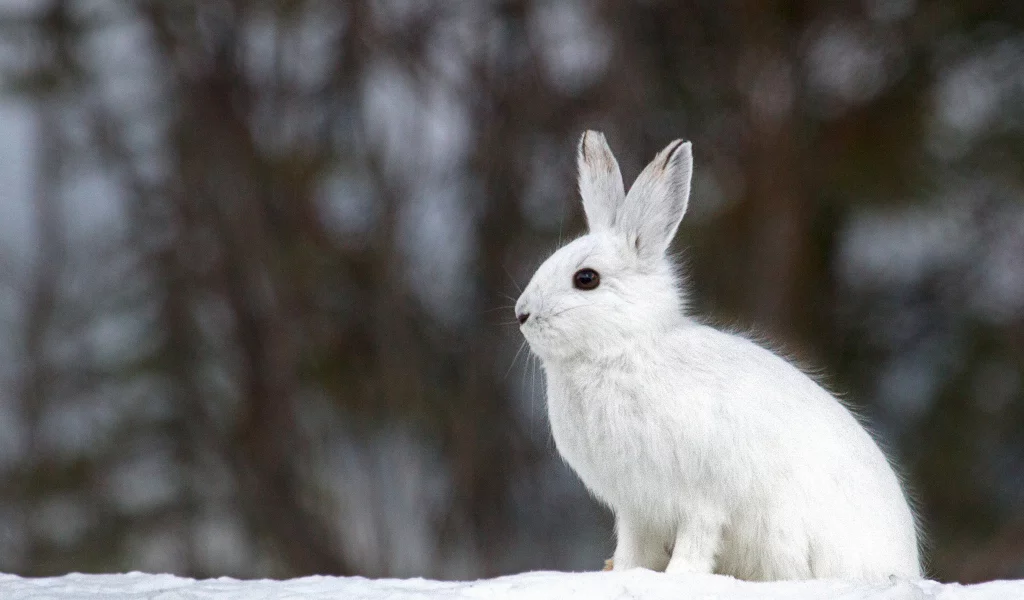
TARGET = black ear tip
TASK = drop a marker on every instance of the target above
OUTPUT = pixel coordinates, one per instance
(589, 136)
(673, 150)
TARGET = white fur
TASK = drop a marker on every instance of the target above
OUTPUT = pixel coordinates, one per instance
(715, 454)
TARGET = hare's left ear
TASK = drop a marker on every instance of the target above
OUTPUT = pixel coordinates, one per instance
(600, 181)
(657, 201)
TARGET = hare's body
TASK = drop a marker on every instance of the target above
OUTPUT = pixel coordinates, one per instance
(722, 472)
(715, 454)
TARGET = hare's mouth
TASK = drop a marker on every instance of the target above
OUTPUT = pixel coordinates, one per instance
(540, 334)
(534, 331)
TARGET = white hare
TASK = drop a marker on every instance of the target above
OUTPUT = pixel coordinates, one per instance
(715, 454)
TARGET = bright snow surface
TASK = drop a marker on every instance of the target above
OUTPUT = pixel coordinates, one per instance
(560, 586)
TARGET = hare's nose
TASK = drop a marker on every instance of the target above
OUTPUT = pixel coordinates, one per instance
(522, 317)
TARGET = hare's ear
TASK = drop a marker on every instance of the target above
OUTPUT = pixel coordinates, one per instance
(600, 181)
(657, 201)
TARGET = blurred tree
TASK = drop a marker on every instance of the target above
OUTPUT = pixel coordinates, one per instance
(260, 321)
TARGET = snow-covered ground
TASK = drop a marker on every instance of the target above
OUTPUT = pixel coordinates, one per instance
(539, 585)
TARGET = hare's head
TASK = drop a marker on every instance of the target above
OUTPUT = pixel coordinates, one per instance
(616, 284)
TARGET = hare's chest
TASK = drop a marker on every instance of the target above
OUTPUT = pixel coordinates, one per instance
(609, 433)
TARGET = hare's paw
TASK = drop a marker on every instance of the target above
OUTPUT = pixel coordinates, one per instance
(697, 542)
(639, 546)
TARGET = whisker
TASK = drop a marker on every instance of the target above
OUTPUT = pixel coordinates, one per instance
(497, 308)
(513, 279)
(563, 311)
(522, 377)
(533, 390)
(514, 358)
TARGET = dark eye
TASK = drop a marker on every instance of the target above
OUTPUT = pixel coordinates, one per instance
(586, 279)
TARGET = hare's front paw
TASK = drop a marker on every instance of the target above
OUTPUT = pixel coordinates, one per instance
(696, 544)
(639, 546)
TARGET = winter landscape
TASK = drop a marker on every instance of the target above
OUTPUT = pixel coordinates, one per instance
(260, 260)
(527, 586)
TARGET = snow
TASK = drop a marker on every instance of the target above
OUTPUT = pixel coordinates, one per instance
(539, 585)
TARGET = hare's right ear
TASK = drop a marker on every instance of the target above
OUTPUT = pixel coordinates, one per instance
(657, 201)
(600, 181)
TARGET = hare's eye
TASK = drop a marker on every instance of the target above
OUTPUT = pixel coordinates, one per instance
(586, 279)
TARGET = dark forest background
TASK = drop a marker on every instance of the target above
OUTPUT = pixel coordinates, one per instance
(256, 262)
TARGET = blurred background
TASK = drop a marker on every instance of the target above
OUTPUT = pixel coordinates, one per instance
(257, 262)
